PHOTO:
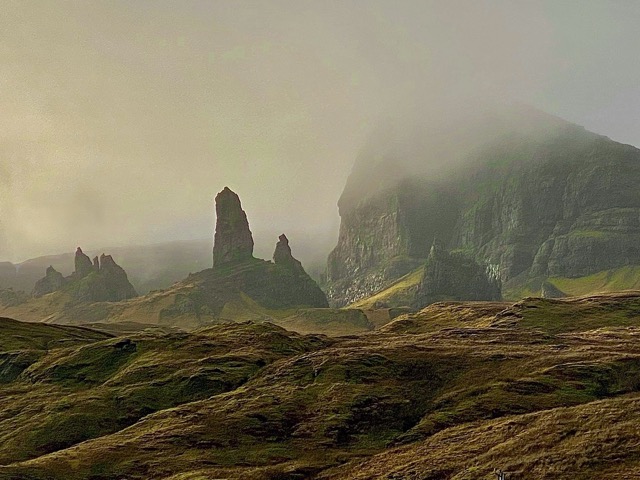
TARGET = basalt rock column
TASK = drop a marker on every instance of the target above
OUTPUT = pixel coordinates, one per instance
(233, 241)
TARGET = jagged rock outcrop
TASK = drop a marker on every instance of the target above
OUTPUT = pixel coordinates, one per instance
(455, 276)
(83, 265)
(237, 280)
(233, 241)
(305, 287)
(99, 281)
(538, 198)
(109, 283)
(52, 281)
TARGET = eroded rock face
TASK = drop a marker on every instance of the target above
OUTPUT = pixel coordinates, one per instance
(455, 277)
(52, 281)
(549, 290)
(115, 280)
(233, 241)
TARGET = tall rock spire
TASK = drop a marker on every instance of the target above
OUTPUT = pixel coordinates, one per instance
(233, 241)
(83, 265)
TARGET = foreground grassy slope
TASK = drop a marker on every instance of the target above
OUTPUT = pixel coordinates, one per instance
(58, 395)
(537, 387)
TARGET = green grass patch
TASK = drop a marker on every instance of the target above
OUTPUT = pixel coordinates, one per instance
(399, 293)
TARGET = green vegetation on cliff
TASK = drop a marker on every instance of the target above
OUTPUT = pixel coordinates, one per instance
(525, 193)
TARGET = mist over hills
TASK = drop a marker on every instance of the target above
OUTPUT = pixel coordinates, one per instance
(157, 266)
(530, 196)
(433, 274)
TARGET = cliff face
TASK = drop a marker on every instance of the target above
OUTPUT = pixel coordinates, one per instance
(531, 203)
(454, 276)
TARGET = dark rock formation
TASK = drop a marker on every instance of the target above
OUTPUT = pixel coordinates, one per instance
(99, 281)
(108, 284)
(83, 265)
(281, 284)
(52, 281)
(282, 255)
(455, 276)
(233, 241)
(539, 197)
(304, 289)
(115, 279)
(549, 290)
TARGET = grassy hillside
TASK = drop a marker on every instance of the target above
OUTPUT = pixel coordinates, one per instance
(536, 388)
(398, 293)
(234, 290)
(150, 310)
(613, 280)
(401, 291)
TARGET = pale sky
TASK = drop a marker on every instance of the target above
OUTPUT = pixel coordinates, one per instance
(120, 121)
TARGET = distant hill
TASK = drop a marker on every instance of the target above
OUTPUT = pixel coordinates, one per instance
(157, 266)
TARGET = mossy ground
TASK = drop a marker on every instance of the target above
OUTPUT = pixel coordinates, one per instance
(538, 387)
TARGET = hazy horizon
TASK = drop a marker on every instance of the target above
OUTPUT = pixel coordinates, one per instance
(120, 121)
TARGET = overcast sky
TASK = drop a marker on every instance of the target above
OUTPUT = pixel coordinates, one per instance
(120, 121)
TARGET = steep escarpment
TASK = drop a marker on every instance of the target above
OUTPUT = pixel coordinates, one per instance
(536, 198)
